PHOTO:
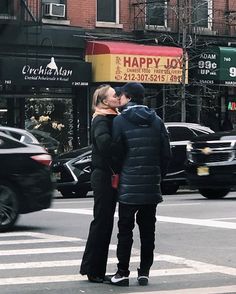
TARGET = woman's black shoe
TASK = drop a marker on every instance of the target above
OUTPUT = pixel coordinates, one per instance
(95, 279)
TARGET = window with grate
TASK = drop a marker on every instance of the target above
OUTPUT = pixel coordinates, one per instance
(156, 12)
(202, 13)
(53, 1)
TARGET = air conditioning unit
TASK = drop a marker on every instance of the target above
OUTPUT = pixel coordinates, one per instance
(54, 9)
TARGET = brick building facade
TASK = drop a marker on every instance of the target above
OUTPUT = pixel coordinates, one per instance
(41, 29)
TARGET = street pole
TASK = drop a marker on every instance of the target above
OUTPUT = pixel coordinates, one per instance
(164, 103)
(184, 67)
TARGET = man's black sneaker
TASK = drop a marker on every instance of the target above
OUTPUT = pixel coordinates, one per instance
(121, 278)
(142, 278)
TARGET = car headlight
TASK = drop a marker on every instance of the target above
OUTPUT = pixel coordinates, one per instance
(189, 149)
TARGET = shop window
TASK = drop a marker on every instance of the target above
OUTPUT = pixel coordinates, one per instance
(50, 121)
(202, 13)
(156, 13)
(107, 11)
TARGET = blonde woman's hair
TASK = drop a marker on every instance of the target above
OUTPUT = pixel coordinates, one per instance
(99, 95)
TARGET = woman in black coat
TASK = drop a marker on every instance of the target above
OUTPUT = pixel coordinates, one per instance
(105, 103)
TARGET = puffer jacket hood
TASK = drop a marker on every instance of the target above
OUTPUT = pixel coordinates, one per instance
(139, 115)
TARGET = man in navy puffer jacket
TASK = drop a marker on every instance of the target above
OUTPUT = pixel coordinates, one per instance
(143, 148)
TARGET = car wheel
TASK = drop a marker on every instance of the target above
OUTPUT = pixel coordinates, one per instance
(168, 189)
(9, 206)
(214, 193)
(68, 193)
(81, 193)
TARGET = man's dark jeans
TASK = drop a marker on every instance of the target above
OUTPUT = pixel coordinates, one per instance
(146, 219)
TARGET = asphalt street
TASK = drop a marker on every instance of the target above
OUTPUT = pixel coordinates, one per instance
(195, 249)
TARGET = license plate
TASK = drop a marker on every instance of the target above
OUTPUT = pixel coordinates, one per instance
(56, 176)
(203, 171)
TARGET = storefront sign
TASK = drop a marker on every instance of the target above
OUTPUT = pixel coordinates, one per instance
(162, 65)
(217, 66)
(148, 69)
(228, 66)
(44, 72)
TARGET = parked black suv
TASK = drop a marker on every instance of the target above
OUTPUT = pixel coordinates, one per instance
(211, 164)
(72, 169)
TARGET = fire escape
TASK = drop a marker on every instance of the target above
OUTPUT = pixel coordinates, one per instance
(19, 20)
(31, 11)
(20, 12)
(146, 20)
(158, 16)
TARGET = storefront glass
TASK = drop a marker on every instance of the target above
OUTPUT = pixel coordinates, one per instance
(50, 120)
(3, 111)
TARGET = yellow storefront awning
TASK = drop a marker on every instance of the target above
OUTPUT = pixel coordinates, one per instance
(124, 62)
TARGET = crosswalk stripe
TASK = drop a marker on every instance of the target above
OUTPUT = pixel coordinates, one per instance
(45, 250)
(196, 266)
(40, 279)
(178, 220)
(198, 222)
(208, 290)
(32, 241)
(41, 251)
(77, 278)
(56, 263)
(50, 238)
(38, 235)
(185, 266)
(70, 278)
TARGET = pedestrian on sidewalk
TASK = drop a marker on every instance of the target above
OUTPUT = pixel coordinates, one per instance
(144, 150)
(94, 261)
